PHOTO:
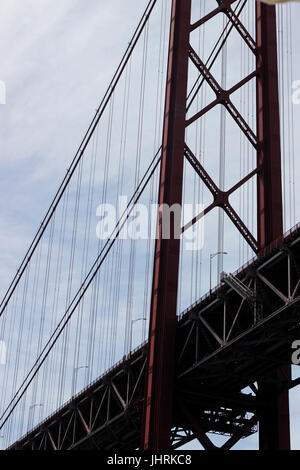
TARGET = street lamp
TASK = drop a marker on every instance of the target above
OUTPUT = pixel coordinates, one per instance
(76, 369)
(211, 257)
(131, 325)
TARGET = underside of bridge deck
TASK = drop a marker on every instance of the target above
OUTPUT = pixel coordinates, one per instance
(226, 343)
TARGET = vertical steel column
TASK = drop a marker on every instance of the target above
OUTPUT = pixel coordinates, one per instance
(270, 225)
(274, 429)
(158, 410)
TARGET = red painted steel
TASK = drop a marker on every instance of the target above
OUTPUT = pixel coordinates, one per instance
(269, 191)
(274, 422)
(161, 355)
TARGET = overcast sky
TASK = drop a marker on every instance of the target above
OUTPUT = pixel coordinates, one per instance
(57, 57)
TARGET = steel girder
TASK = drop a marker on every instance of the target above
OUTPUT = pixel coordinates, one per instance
(225, 343)
(106, 415)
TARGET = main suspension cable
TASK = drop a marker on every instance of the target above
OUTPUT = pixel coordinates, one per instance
(79, 154)
(82, 289)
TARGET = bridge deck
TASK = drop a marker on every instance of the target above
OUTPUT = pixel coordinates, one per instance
(225, 342)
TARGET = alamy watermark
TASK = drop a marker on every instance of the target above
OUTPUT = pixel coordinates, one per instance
(296, 92)
(141, 224)
(296, 353)
(2, 92)
(2, 353)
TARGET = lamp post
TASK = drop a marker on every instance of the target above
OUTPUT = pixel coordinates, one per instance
(131, 325)
(76, 369)
(211, 257)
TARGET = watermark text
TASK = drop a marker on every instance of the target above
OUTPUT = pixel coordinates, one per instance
(296, 92)
(296, 353)
(2, 92)
(152, 222)
(2, 353)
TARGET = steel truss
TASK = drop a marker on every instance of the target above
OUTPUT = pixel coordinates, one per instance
(225, 343)
(265, 140)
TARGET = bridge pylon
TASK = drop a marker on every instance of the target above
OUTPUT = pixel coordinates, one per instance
(159, 389)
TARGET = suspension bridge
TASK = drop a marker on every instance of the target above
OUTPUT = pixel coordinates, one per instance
(119, 337)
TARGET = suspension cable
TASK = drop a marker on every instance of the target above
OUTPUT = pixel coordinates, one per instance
(79, 154)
